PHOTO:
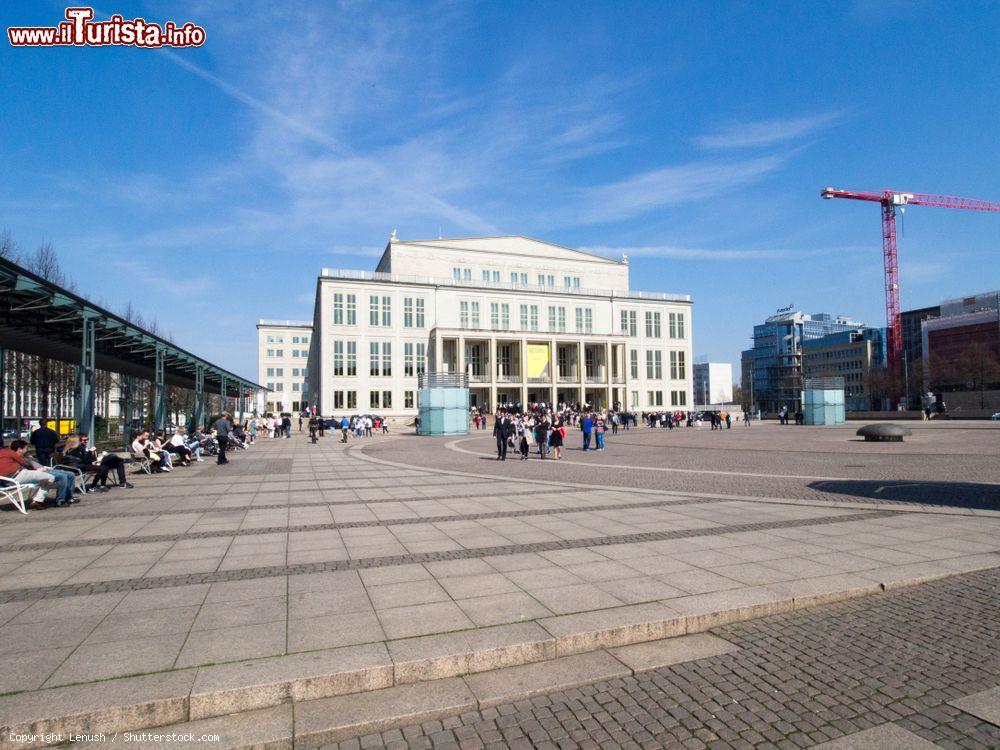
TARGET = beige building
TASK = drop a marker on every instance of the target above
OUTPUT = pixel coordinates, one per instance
(282, 357)
(528, 321)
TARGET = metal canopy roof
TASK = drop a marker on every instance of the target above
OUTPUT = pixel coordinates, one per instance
(38, 317)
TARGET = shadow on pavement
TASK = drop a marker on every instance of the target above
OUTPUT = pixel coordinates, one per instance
(950, 494)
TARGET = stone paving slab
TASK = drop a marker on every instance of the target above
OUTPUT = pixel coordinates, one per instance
(642, 657)
(985, 705)
(884, 737)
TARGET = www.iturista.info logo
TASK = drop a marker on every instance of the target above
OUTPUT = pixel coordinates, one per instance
(81, 30)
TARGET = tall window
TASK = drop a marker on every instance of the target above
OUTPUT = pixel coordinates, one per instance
(352, 399)
(408, 359)
(475, 315)
(676, 325)
(386, 358)
(408, 312)
(541, 279)
(524, 317)
(505, 316)
(456, 274)
(352, 309)
(486, 276)
(386, 399)
(494, 315)
(653, 325)
(463, 314)
(338, 309)
(552, 318)
(420, 312)
(534, 317)
(654, 365)
(373, 399)
(579, 320)
(407, 399)
(496, 277)
(387, 311)
(352, 358)
(421, 358)
(373, 310)
(678, 369)
(373, 361)
(338, 358)
(633, 360)
(338, 399)
(562, 320)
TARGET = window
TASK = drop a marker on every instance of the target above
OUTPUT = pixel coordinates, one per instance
(373, 310)
(408, 312)
(494, 315)
(456, 274)
(295, 372)
(387, 311)
(505, 316)
(352, 358)
(541, 279)
(305, 339)
(463, 314)
(407, 399)
(420, 312)
(295, 387)
(678, 398)
(338, 309)
(552, 318)
(486, 276)
(634, 401)
(584, 320)
(563, 359)
(524, 317)
(386, 399)
(579, 320)
(421, 358)
(653, 325)
(678, 370)
(568, 282)
(338, 399)
(408, 359)
(386, 358)
(352, 399)
(295, 339)
(562, 320)
(270, 372)
(338, 358)
(373, 368)
(496, 277)
(675, 322)
(654, 398)
(279, 386)
(373, 399)
(654, 365)
(628, 322)
(534, 317)
(475, 315)
(280, 372)
(466, 274)
(352, 309)
(270, 353)
(279, 352)
(633, 359)
(589, 362)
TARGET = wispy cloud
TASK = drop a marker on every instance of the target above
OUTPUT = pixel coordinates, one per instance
(671, 186)
(766, 132)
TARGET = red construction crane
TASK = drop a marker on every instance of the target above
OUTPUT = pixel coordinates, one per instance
(891, 200)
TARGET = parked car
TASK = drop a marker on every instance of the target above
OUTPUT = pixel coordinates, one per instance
(996, 416)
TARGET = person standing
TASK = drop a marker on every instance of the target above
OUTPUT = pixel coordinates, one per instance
(43, 439)
(587, 425)
(345, 425)
(222, 429)
(501, 431)
(286, 425)
(542, 430)
(556, 440)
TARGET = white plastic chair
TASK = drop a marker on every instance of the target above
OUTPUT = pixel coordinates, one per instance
(141, 460)
(19, 495)
(79, 480)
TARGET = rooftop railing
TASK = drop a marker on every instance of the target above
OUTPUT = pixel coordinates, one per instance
(285, 323)
(355, 275)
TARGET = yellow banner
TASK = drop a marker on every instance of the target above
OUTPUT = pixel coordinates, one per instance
(538, 360)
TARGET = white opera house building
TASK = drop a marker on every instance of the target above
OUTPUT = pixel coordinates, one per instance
(528, 321)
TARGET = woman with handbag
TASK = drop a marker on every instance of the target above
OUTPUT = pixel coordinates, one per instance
(556, 440)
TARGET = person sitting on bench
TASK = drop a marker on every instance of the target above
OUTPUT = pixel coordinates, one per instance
(86, 459)
(14, 463)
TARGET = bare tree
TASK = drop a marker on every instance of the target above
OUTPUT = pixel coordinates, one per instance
(9, 249)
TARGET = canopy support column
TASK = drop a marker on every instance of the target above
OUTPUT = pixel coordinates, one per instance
(3, 394)
(223, 387)
(199, 395)
(86, 374)
(160, 394)
(128, 406)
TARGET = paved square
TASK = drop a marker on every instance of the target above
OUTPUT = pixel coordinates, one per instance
(298, 548)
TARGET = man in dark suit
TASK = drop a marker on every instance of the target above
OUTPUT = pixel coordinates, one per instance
(501, 431)
(44, 440)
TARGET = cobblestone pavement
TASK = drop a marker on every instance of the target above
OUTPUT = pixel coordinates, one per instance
(796, 680)
(946, 464)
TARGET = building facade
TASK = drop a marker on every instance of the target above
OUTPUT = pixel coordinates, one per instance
(282, 365)
(713, 383)
(527, 320)
(858, 357)
(772, 370)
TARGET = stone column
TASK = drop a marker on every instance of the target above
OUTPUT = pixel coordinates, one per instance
(524, 370)
(460, 355)
(493, 372)
(581, 370)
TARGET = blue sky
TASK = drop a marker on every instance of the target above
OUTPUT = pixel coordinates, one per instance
(208, 186)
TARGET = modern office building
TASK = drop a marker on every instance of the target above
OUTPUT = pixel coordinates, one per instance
(282, 357)
(857, 356)
(527, 320)
(713, 383)
(772, 369)
(962, 351)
